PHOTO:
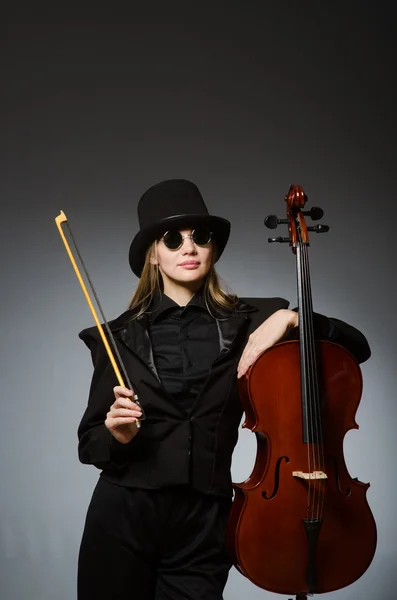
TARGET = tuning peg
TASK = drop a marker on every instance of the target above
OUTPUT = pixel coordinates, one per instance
(280, 240)
(319, 228)
(314, 213)
(272, 221)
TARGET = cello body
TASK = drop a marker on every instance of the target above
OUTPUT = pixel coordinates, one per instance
(266, 531)
(300, 524)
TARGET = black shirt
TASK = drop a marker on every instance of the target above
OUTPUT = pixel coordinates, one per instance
(185, 343)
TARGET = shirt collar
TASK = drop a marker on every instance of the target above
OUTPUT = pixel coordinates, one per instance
(161, 303)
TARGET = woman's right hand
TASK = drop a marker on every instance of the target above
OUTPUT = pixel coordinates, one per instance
(123, 415)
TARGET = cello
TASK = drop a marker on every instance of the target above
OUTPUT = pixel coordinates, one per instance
(300, 524)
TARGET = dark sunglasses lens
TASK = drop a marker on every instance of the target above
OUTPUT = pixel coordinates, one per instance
(201, 236)
(172, 239)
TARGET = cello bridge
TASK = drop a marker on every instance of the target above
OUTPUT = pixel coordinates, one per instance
(312, 475)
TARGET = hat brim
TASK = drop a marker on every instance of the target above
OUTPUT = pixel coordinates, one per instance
(141, 242)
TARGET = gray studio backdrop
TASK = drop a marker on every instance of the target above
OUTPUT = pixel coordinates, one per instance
(243, 98)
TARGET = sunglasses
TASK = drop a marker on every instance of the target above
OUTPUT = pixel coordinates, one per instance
(173, 239)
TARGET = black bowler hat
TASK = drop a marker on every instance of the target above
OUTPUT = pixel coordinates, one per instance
(175, 203)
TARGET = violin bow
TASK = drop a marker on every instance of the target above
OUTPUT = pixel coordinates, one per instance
(60, 220)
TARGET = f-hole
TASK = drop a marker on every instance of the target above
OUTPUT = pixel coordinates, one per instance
(276, 478)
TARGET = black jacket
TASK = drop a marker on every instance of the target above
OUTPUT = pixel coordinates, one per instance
(172, 446)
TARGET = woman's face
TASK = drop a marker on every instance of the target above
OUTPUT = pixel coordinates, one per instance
(188, 265)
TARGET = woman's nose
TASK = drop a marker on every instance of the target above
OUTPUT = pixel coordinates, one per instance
(188, 244)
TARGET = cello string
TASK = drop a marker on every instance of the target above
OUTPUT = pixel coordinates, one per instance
(316, 402)
(318, 432)
(319, 411)
(314, 396)
(312, 382)
(303, 362)
(309, 376)
(310, 390)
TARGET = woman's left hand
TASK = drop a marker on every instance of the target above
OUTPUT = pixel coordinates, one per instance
(269, 333)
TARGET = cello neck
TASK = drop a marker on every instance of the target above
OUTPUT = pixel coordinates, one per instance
(311, 413)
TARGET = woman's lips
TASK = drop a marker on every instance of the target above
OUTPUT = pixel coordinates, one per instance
(192, 264)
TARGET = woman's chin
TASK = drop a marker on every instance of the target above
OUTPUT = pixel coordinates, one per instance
(188, 276)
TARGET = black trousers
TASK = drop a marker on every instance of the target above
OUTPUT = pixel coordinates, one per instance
(153, 545)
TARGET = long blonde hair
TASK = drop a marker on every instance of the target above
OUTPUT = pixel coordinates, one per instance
(150, 281)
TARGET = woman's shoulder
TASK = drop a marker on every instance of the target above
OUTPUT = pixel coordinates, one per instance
(252, 308)
(91, 334)
(263, 305)
(260, 309)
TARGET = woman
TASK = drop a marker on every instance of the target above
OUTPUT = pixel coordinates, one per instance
(155, 527)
